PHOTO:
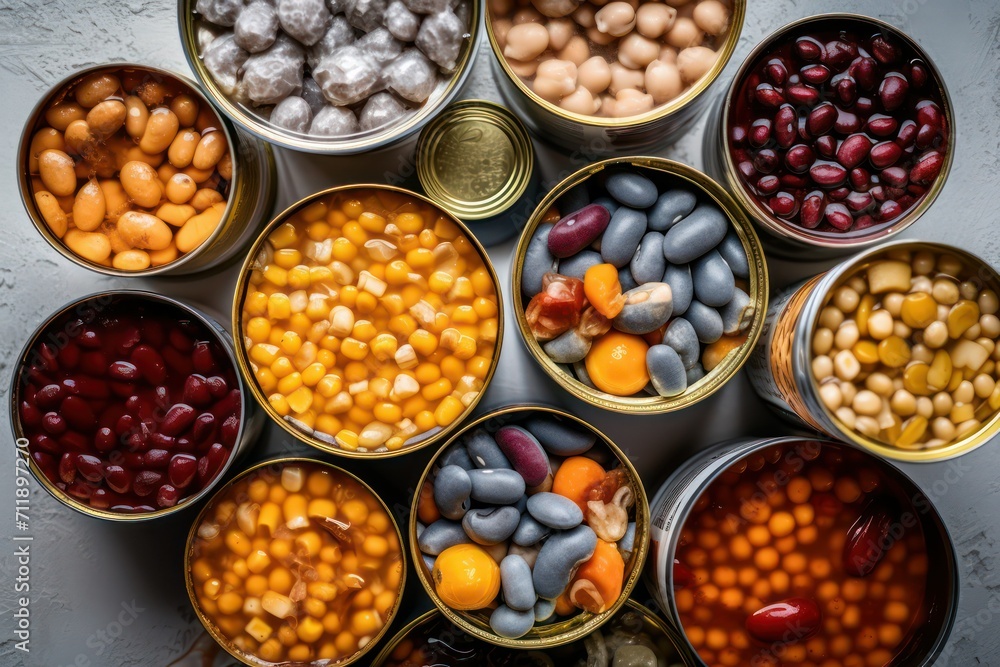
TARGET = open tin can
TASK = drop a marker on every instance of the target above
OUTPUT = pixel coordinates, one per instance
(89, 472)
(568, 628)
(251, 190)
(786, 237)
(713, 498)
(781, 367)
(757, 285)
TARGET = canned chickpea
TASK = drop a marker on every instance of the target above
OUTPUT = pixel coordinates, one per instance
(128, 170)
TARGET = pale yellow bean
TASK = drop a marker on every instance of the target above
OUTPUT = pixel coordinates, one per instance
(185, 107)
(59, 116)
(160, 131)
(526, 41)
(106, 118)
(175, 214)
(89, 207)
(663, 81)
(51, 212)
(204, 198)
(180, 188)
(653, 20)
(141, 183)
(44, 139)
(210, 150)
(711, 16)
(165, 256)
(96, 88)
(594, 75)
(144, 230)
(196, 230)
(694, 62)
(88, 245)
(136, 116)
(131, 260)
(58, 172)
(182, 148)
(116, 200)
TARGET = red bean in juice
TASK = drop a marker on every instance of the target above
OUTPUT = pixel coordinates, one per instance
(110, 420)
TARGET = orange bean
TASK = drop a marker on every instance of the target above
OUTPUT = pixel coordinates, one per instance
(603, 290)
(575, 477)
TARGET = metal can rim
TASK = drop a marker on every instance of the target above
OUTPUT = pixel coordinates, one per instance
(642, 515)
(283, 460)
(237, 184)
(759, 290)
(802, 352)
(65, 498)
(683, 100)
(243, 362)
(785, 230)
(265, 131)
(517, 183)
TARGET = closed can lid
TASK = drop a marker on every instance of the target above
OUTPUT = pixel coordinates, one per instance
(475, 160)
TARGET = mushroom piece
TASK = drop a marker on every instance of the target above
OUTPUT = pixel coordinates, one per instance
(610, 520)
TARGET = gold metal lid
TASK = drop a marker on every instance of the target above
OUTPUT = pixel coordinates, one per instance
(475, 159)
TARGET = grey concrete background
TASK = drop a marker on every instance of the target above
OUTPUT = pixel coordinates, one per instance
(113, 596)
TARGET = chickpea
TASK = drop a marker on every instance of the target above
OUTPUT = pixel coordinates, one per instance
(560, 31)
(526, 41)
(636, 51)
(616, 19)
(580, 101)
(653, 20)
(555, 79)
(694, 62)
(555, 8)
(711, 16)
(684, 33)
(577, 51)
(663, 81)
(594, 74)
(632, 102)
(623, 78)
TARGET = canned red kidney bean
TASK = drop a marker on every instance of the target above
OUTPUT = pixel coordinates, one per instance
(839, 127)
(794, 556)
(132, 410)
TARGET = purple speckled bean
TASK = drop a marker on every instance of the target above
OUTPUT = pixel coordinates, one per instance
(578, 230)
(524, 452)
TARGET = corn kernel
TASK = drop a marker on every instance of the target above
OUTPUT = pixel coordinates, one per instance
(263, 354)
(347, 439)
(448, 410)
(364, 331)
(388, 413)
(404, 387)
(257, 329)
(319, 230)
(354, 233)
(425, 420)
(485, 307)
(349, 296)
(406, 357)
(282, 367)
(290, 383)
(354, 349)
(276, 275)
(258, 561)
(437, 390)
(384, 346)
(464, 315)
(440, 282)
(423, 342)
(482, 283)
(286, 258)
(328, 424)
(344, 250)
(325, 356)
(372, 222)
(290, 342)
(284, 236)
(259, 629)
(452, 368)
(397, 273)
(266, 380)
(410, 223)
(300, 400)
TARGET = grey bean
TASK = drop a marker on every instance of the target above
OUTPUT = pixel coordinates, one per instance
(518, 589)
(568, 347)
(666, 371)
(647, 308)
(634, 655)
(529, 531)
(706, 321)
(681, 336)
(560, 438)
(537, 261)
(511, 623)
(732, 251)
(559, 557)
(490, 525)
(678, 276)
(695, 235)
(555, 511)
(626, 279)
(452, 487)
(738, 313)
(497, 486)
(713, 280)
(695, 373)
(577, 265)
(544, 610)
(428, 561)
(456, 455)
(524, 452)
(522, 504)
(608, 203)
(440, 535)
(670, 208)
(622, 236)
(627, 543)
(631, 189)
(580, 370)
(648, 262)
(484, 451)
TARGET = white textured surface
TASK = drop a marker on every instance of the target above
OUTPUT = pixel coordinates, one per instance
(84, 570)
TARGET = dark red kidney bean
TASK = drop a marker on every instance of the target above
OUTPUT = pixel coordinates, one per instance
(802, 95)
(204, 361)
(184, 445)
(31, 416)
(838, 194)
(894, 193)
(784, 205)
(118, 478)
(865, 72)
(137, 442)
(167, 496)
(915, 190)
(152, 332)
(122, 389)
(210, 464)
(821, 119)
(828, 174)
(799, 158)
(90, 467)
(73, 440)
(53, 423)
(847, 122)
(892, 91)
(926, 136)
(905, 202)
(776, 71)
(808, 49)
(78, 413)
(811, 211)
(127, 338)
(815, 74)
(878, 192)
(768, 95)
(859, 201)
(150, 364)
(178, 419)
(907, 133)
(785, 122)
(182, 469)
(178, 362)
(67, 468)
(49, 396)
(885, 49)
(760, 132)
(105, 439)
(180, 340)
(683, 576)
(864, 222)
(889, 210)
(203, 428)
(146, 482)
(217, 386)
(864, 106)
(790, 620)
(133, 460)
(89, 339)
(94, 362)
(161, 441)
(839, 216)
(768, 184)
(795, 181)
(38, 377)
(228, 405)
(867, 540)
(87, 387)
(738, 135)
(101, 499)
(929, 113)
(123, 371)
(881, 125)
(125, 424)
(747, 170)
(927, 168)
(885, 154)
(853, 150)
(765, 161)
(80, 490)
(918, 74)
(230, 430)
(156, 459)
(838, 53)
(847, 91)
(826, 146)
(894, 176)
(69, 356)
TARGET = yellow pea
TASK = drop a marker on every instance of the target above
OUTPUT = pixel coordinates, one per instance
(51, 212)
(58, 172)
(209, 151)
(88, 245)
(116, 201)
(175, 214)
(198, 228)
(136, 116)
(185, 107)
(144, 230)
(89, 207)
(95, 88)
(161, 128)
(131, 260)
(106, 118)
(141, 183)
(61, 115)
(42, 140)
(182, 148)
